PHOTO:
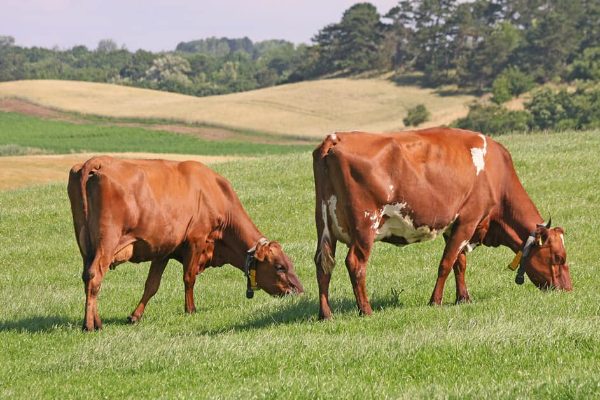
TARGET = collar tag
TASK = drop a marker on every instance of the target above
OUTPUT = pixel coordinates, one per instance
(515, 262)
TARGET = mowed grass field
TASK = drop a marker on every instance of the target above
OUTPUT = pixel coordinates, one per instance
(510, 342)
(306, 108)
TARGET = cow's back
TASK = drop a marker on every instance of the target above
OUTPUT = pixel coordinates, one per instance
(428, 174)
(156, 203)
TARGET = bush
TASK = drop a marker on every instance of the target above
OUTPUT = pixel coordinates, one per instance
(501, 90)
(417, 115)
(587, 66)
(562, 110)
(494, 120)
(510, 83)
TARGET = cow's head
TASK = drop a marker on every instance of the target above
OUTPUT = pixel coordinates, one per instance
(270, 269)
(545, 259)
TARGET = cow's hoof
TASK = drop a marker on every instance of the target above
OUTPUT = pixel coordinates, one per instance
(91, 328)
(462, 300)
(325, 316)
(132, 319)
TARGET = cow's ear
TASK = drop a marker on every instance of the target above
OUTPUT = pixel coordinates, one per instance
(261, 251)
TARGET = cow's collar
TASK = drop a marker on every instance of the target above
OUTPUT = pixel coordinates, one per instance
(250, 268)
(524, 253)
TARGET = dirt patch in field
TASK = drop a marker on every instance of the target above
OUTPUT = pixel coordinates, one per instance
(24, 107)
(22, 171)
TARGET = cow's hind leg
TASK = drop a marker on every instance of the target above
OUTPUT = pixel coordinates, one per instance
(157, 267)
(356, 262)
(454, 246)
(325, 261)
(92, 276)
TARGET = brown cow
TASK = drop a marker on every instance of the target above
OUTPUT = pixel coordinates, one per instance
(412, 186)
(156, 210)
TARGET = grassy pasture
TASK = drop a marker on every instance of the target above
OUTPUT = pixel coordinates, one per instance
(26, 134)
(304, 109)
(511, 342)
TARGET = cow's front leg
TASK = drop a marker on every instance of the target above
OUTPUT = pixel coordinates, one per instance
(157, 267)
(191, 268)
(454, 246)
(460, 266)
(356, 262)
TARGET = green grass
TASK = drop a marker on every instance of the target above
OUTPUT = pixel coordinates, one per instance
(64, 137)
(511, 342)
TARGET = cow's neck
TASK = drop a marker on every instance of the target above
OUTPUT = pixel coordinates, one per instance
(239, 236)
(519, 217)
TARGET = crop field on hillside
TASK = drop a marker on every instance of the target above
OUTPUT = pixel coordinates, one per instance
(29, 135)
(510, 342)
(311, 108)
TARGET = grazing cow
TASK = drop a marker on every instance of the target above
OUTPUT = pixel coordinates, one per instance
(156, 210)
(412, 186)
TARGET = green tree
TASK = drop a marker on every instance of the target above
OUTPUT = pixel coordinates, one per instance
(551, 40)
(352, 45)
(490, 56)
(107, 46)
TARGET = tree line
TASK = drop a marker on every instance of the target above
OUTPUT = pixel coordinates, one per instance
(500, 45)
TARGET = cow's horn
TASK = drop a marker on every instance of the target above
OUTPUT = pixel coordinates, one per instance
(545, 224)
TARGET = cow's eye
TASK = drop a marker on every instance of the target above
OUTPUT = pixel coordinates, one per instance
(279, 268)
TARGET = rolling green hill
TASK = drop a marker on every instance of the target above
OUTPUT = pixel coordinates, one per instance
(312, 108)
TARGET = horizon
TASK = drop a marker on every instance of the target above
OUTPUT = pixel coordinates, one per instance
(64, 24)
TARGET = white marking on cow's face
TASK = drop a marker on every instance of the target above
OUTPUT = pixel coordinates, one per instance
(562, 237)
(400, 224)
(478, 154)
(335, 226)
(333, 137)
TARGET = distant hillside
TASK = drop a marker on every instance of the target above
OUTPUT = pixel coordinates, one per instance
(306, 109)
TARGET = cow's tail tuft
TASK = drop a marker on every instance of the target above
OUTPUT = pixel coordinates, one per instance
(326, 258)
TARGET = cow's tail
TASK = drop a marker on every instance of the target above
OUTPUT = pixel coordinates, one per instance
(77, 190)
(87, 170)
(325, 255)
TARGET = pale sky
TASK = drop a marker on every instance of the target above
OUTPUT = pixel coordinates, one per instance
(160, 24)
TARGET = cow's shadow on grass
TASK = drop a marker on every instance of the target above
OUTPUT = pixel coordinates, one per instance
(37, 324)
(306, 310)
(48, 324)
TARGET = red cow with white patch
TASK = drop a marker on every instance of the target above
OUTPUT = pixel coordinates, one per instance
(413, 186)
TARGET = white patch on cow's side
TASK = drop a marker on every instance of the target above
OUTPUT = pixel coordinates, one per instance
(335, 226)
(390, 192)
(400, 224)
(478, 154)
